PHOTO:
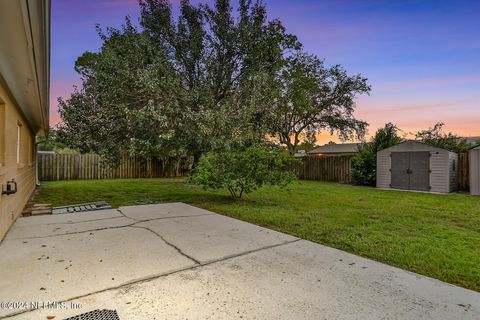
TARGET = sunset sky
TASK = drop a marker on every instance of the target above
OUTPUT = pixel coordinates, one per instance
(422, 57)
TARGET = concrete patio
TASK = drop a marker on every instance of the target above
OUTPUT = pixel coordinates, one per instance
(175, 261)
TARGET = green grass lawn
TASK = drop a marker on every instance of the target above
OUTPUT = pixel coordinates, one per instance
(434, 235)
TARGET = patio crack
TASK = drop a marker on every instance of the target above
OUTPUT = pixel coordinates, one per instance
(100, 229)
(123, 214)
(157, 276)
(162, 218)
(170, 244)
(85, 221)
(75, 232)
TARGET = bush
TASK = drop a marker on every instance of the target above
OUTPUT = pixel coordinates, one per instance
(364, 164)
(243, 171)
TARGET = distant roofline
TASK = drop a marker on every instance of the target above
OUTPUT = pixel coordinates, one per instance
(326, 149)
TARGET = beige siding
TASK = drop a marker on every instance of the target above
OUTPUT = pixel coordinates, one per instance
(23, 172)
(383, 169)
(439, 165)
(439, 175)
(475, 172)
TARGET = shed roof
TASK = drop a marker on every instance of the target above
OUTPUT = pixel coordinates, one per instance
(337, 148)
(427, 146)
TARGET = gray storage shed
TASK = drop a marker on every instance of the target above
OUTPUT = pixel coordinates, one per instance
(413, 165)
(475, 171)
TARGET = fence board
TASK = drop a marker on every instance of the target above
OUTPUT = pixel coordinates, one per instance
(52, 167)
(463, 172)
(330, 168)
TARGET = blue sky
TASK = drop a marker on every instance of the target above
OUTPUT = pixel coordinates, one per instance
(421, 57)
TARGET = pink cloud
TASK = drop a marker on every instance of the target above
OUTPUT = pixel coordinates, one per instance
(60, 87)
(459, 117)
(429, 81)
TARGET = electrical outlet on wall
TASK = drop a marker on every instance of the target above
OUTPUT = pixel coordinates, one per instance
(12, 215)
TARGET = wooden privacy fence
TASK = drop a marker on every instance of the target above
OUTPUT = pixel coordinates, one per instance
(328, 168)
(463, 172)
(52, 166)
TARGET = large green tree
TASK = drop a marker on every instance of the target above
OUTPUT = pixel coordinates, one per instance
(128, 99)
(180, 85)
(206, 79)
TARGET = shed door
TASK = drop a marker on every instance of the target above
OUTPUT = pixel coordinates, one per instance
(420, 171)
(411, 171)
(400, 165)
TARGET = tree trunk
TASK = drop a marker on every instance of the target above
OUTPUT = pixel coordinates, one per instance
(290, 147)
(291, 150)
(197, 155)
(165, 164)
(178, 172)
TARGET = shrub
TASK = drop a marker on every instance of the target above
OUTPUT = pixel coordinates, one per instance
(243, 171)
(364, 164)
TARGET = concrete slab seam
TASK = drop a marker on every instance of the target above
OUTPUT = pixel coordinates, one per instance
(106, 228)
(76, 222)
(154, 277)
(162, 218)
(165, 218)
(77, 232)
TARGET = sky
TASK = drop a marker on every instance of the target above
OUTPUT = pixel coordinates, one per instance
(422, 57)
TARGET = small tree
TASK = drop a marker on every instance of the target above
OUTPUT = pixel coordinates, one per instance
(243, 171)
(364, 164)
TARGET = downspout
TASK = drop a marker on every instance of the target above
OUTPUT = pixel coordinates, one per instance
(37, 181)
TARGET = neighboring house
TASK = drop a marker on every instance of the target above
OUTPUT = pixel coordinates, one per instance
(472, 140)
(300, 154)
(24, 99)
(334, 149)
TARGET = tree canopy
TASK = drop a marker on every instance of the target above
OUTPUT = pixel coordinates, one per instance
(312, 98)
(206, 79)
(436, 137)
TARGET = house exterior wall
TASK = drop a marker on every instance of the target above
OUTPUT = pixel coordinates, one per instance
(475, 172)
(440, 177)
(23, 171)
